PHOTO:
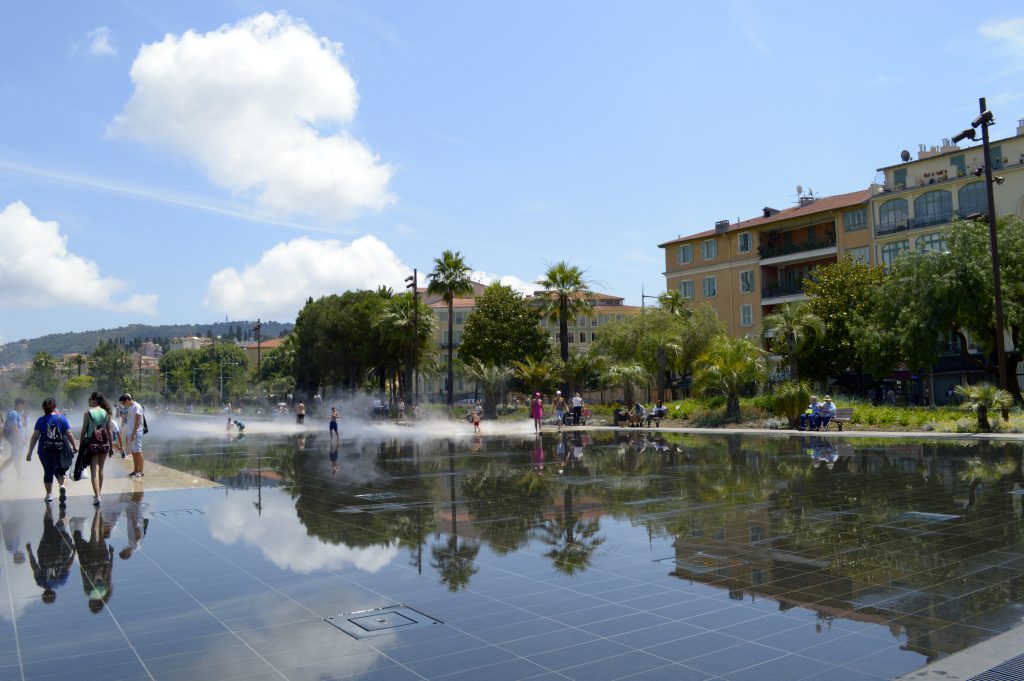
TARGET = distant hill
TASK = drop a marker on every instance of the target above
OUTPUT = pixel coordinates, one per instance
(58, 344)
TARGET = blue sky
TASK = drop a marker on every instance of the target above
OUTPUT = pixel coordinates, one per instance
(179, 162)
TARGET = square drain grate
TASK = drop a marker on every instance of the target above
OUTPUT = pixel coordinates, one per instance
(366, 623)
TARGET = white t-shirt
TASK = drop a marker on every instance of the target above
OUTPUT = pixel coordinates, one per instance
(577, 401)
(135, 409)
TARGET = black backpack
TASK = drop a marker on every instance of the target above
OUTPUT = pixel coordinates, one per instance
(53, 438)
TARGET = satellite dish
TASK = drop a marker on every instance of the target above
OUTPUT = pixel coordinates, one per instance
(799, 189)
(905, 155)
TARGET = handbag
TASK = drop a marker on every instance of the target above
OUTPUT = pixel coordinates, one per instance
(67, 454)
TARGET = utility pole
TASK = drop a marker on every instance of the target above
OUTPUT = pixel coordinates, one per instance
(259, 341)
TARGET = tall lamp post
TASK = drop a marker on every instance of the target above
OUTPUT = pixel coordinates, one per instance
(413, 283)
(983, 121)
(644, 297)
(222, 365)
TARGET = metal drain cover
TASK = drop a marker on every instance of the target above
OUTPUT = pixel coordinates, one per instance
(379, 621)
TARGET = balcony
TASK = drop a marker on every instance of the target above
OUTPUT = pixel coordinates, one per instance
(919, 222)
(773, 250)
(783, 289)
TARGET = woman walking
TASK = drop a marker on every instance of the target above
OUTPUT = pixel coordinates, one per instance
(97, 435)
(51, 430)
(537, 411)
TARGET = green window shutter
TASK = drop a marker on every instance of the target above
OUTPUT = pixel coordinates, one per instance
(997, 158)
(960, 165)
(899, 178)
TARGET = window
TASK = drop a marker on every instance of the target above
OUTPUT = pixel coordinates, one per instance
(583, 336)
(933, 208)
(444, 315)
(458, 336)
(581, 321)
(972, 198)
(593, 336)
(891, 213)
(899, 178)
(710, 286)
(747, 281)
(593, 320)
(960, 165)
(891, 251)
(855, 219)
(684, 255)
(746, 315)
(931, 243)
(444, 338)
(746, 242)
(686, 289)
(460, 317)
(861, 254)
(709, 250)
(997, 157)
(572, 337)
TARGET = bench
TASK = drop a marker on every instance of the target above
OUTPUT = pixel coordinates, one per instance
(843, 415)
(656, 417)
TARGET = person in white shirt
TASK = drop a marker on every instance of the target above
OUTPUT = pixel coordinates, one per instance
(577, 409)
(133, 433)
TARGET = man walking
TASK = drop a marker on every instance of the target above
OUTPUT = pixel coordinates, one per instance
(133, 432)
(14, 426)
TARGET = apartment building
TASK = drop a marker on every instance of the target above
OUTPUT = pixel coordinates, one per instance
(745, 268)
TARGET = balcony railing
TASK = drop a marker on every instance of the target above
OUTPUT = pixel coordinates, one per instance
(785, 289)
(772, 250)
(920, 221)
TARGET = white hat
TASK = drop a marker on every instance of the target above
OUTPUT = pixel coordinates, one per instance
(558, 392)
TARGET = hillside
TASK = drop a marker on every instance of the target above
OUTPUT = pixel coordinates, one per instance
(58, 344)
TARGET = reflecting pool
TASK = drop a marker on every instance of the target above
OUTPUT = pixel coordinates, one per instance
(600, 555)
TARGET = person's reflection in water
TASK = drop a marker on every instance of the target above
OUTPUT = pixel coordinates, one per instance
(136, 523)
(300, 443)
(538, 455)
(96, 563)
(574, 457)
(51, 564)
(335, 466)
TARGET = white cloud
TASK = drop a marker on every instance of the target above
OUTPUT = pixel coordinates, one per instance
(101, 42)
(290, 272)
(263, 106)
(517, 284)
(1009, 31)
(37, 270)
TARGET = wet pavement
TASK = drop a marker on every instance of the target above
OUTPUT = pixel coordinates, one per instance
(589, 555)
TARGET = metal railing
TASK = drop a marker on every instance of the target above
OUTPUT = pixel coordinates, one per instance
(785, 289)
(772, 250)
(917, 222)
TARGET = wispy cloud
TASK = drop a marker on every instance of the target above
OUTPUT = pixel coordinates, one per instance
(1010, 32)
(101, 42)
(750, 26)
(153, 194)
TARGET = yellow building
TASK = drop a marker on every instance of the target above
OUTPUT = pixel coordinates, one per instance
(746, 268)
(921, 197)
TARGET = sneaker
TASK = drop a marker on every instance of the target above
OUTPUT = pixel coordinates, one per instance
(136, 474)
(63, 494)
(95, 501)
(48, 498)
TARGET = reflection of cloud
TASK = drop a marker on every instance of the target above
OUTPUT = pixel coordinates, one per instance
(283, 540)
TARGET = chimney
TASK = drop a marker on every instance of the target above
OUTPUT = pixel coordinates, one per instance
(768, 212)
(721, 226)
(1020, 126)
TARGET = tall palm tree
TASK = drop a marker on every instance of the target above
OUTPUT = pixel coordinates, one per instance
(565, 297)
(794, 325)
(396, 322)
(630, 377)
(730, 365)
(450, 279)
(981, 398)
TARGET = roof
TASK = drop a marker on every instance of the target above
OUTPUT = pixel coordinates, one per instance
(593, 295)
(822, 205)
(456, 303)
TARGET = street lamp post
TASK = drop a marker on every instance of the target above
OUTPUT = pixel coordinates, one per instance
(984, 120)
(413, 283)
(644, 296)
(222, 365)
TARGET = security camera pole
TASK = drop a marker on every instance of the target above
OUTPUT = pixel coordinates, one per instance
(984, 120)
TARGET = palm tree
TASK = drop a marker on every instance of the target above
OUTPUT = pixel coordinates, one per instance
(981, 398)
(492, 380)
(729, 366)
(538, 375)
(630, 377)
(674, 302)
(795, 325)
(565, 297)
(450, 279)
(396, 322)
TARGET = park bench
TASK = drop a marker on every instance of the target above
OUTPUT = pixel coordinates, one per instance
(843, 415)
(656, 416)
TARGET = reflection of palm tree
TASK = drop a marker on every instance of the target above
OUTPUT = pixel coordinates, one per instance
(455, 561)
(572, 540)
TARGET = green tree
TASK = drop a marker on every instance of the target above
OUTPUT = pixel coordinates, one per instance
(397, 322)
(674, 302)
(839, 294)
(631, 377)
(450, 279)
(77, 388)
(565, 297)
(492, 381)
(42, 375)
(730, 366)
(535, 375)
(981, 399)
(111, 366)
(503, 329)
(790, 328)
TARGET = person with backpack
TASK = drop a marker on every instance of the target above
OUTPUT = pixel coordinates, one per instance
(97, 437)
(134, 429)
(51, 431)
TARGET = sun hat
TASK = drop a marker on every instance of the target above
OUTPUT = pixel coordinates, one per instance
(828, 398)
(558, 392)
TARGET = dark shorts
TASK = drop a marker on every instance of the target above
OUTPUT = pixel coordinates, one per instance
(334, 426)
(51, 466)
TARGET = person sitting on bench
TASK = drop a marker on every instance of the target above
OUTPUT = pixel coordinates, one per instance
(809, 419)
(660, 412)
(826, 412)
